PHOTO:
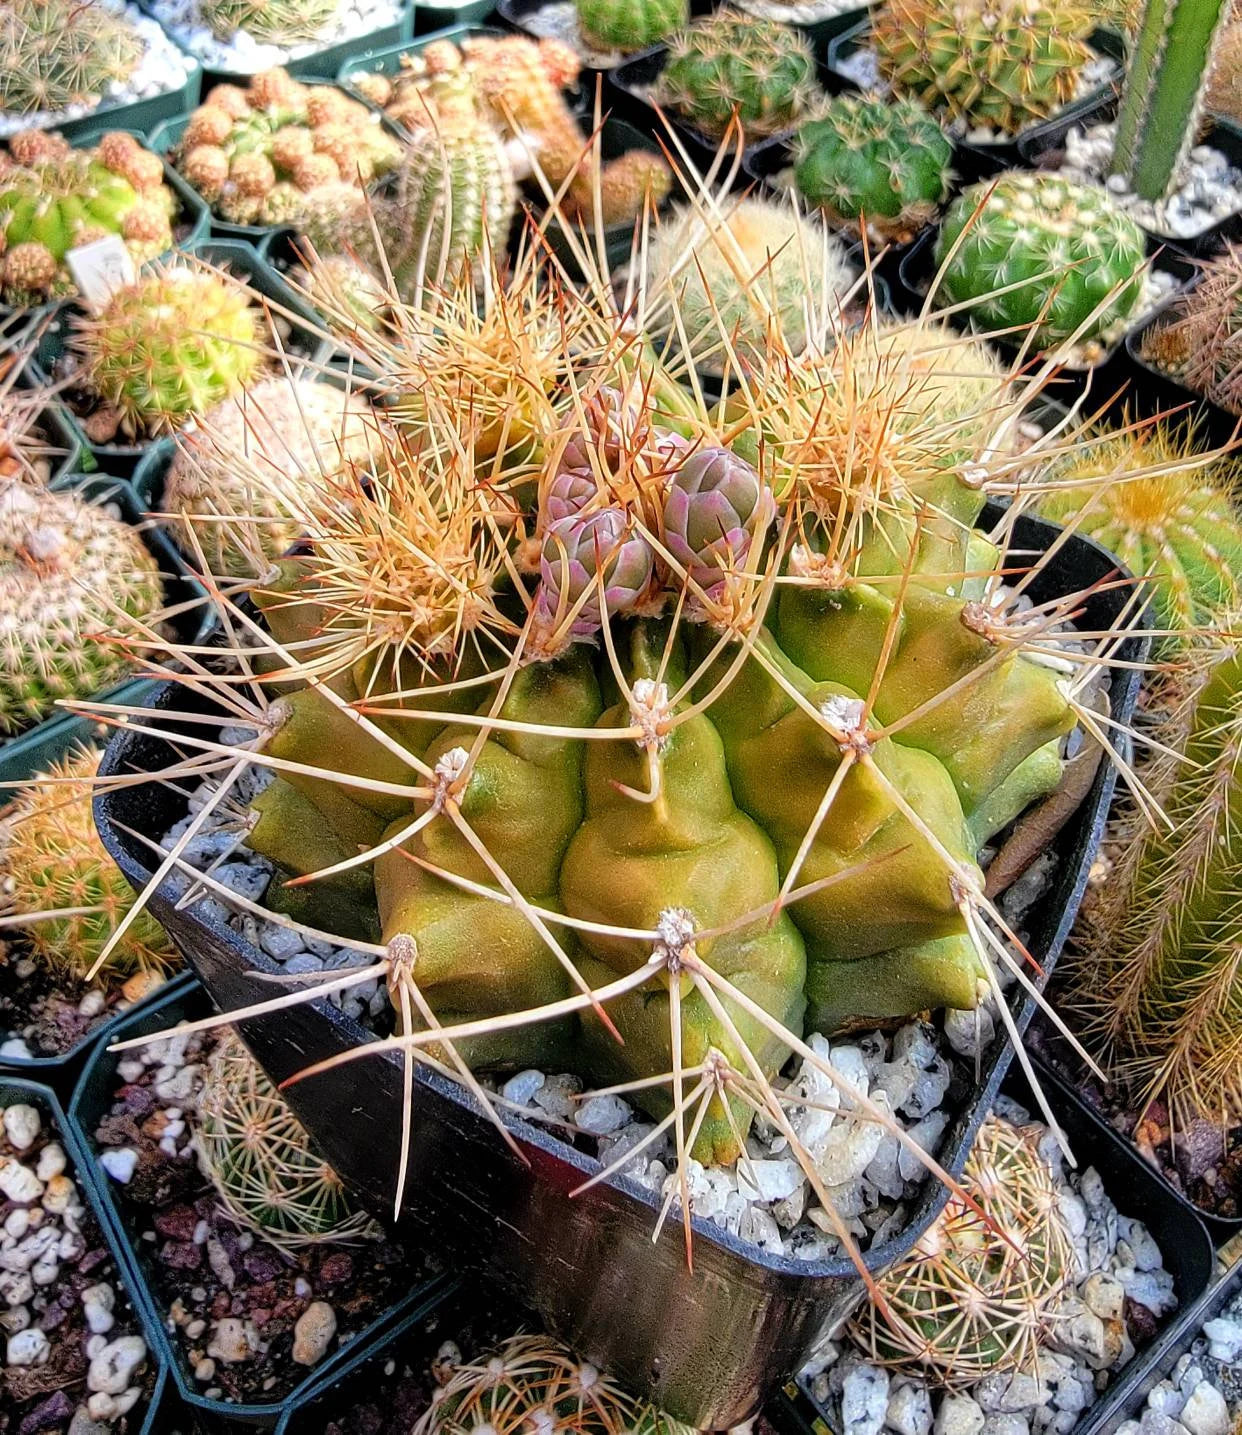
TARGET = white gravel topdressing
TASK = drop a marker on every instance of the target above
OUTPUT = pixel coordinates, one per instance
(163, 67)
(809, 13)
(246, 55)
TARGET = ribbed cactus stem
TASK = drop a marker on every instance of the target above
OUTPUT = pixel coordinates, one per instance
(1164, 92)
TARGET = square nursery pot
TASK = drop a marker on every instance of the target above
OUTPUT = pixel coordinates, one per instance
(1141, 1194)
(632, 85)
(528, 17)
(20, 760)
(430, 18)
(1043, 147)
(92, 1100)
(312, 60)
(299, 324)
(917, 272)
(708, 1344)
(1006, 152)
(16, 1089)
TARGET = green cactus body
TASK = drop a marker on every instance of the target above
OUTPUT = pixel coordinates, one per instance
(66, 568)
(880, 160)
(727, 63)
(57, 53)
(169, 346)
(274, 22)
(629, 25)
(1163, 99)
(999, 64)
(1073, 255)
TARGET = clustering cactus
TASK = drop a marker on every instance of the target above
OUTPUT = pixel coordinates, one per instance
(53, 198)
(271, 22)
(728, 64)
(1074, 258)
(55, 871)
(532, 1382)
(58, 53)
(270, 453)
(265, 1170)
(168, 346)
(1224, 88)
(1199, 341)
(981, 1286)
(758, 266)
(1163, 98)
(1150, 497)
(270, 153)
(992, 64)
(68, 573)
(629, 25)
(883, 161)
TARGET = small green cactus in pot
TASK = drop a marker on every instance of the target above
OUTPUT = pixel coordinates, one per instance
(629, 25)
(882, 162)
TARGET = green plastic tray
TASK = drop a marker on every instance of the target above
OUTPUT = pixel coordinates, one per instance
(91, 1101)
(429, 19)
(386, 59)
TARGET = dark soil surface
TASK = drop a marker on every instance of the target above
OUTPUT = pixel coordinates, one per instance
(42, 1011)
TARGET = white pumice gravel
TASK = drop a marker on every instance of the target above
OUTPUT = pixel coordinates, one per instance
(245, 55)
(1207, 188)
(1087, 1344)
(809, 13)
(162, 67)
(1202, 1394)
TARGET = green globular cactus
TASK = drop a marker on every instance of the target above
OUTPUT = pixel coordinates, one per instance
(267, 1174)
(53, 198)
(727, 64)
(994, 64)
(66, 568)
(1148, 497)
(1163, 98)
(883, 161)
(1074, 257)
(982, 1285)
(57, 53)
(272, 22)
(167, 347)
(629, 25)
(52, 861)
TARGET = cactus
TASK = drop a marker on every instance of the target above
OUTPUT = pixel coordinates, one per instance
(266, 1173)
(758, 260)
(1224, 89)
(270, 453)
(1198, 341)
(54, 198)
(981, 1286)
(1163, 97)
(727, 64)
(629, 25)
(58, 53)
(1075, 258)
(24, 450)
(68, 573)
(532, 1382)
(167, 347)
(1148, 496)
(883, 161)
(279, 150)
(271, 22)
(995, 64)
(54, 869)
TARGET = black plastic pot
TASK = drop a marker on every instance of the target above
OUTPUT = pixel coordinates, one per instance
(92, 1100)
(1141, 1194)
(1043, 148)
(303, 337)
(15, 1089)
(708, 1343)
(1006, 152)
(519, 15)
(917, 272)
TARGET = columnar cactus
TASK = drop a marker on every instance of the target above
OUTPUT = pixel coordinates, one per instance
(629, 25)
(53, 198)
(1163, 99)
(52, 862)
(68, 573)
(727, 64)
(999, 64)
(166, 347)
(271, 22)
(1073, 257)
(880, 160)
(58, 53)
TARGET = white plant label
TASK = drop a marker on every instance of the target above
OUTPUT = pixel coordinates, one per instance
(100, 268)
